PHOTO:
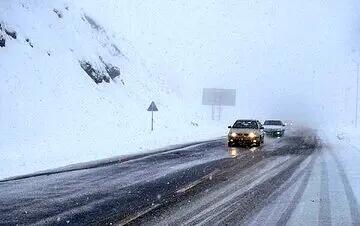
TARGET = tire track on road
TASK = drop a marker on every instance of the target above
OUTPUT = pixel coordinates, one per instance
(325, 207)
(352, 201)
(285, 216)
(221, 210)
(256, 198)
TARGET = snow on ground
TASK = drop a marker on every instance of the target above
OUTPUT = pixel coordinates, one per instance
(54, 114)
(348, 134)
(347, 148)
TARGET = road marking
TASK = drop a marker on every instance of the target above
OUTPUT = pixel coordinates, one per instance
(137, 215)
(193, 184)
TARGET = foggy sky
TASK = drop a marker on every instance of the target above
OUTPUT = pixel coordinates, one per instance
(289, 59)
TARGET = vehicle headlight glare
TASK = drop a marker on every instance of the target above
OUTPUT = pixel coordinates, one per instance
(233, 134)
(252, 135)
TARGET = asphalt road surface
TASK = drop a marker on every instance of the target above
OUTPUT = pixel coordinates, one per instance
(202, 183)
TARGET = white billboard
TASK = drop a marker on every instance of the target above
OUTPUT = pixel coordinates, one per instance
(219, 97)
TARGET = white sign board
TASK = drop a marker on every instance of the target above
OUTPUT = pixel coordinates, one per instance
(219, 97)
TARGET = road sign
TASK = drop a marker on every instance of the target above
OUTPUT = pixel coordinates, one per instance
(152, 108)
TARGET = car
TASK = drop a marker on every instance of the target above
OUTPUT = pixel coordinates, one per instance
(246, 132)
(275, 128)
(289, 124)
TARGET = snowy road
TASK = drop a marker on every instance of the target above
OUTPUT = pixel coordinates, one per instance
(289, 180)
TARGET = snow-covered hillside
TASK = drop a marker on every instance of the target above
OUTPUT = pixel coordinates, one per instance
(71, 91)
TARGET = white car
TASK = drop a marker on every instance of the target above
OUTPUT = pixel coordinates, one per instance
(274, 128)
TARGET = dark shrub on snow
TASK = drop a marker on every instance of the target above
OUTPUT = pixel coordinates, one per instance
(58, 13)
(29, 42)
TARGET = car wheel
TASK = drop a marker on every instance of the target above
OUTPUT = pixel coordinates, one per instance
(230, 144)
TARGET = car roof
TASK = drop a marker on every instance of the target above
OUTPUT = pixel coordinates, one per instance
(247, 120)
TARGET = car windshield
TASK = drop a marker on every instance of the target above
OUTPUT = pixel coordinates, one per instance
(245, 124)
(273, 123)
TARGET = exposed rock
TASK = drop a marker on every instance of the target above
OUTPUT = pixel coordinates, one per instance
(58, 13)
(94, 74)
(11, 33)
(112, 71)
(106, 79)
(93, 23)
(2, 41)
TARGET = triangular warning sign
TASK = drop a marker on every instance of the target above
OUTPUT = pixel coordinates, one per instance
(152, 107)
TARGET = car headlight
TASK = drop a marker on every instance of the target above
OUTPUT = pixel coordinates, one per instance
(252, 135)
(233, 134)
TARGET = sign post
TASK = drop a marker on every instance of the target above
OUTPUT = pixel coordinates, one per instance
(152, 108)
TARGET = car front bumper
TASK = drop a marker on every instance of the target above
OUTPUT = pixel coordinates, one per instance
(243, 140)
(274, 132)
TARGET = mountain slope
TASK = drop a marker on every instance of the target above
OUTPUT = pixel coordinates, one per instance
(72, 92)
